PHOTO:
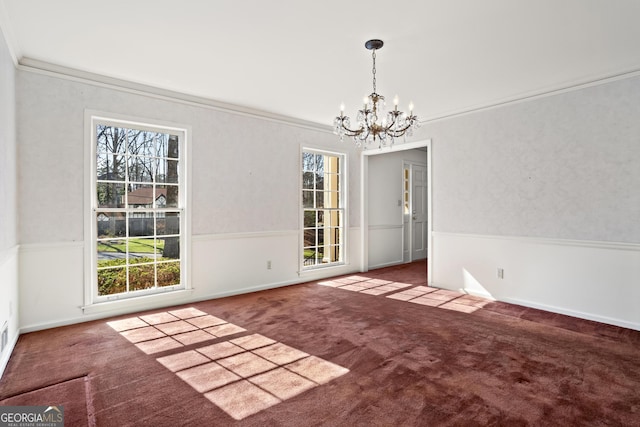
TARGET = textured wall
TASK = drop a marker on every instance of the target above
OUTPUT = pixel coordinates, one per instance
(245, 169)
(565, 166)
(8, 185)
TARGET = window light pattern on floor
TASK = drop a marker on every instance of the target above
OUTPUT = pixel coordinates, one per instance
(365, 285)
(423, 295)
(158, 332)
(243, 375)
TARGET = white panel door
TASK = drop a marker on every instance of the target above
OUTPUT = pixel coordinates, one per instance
(418, 212)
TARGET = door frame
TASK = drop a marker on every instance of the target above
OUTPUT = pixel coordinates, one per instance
(364, 200)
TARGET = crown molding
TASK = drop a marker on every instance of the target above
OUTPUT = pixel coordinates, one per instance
(552, 90)
(59, 71)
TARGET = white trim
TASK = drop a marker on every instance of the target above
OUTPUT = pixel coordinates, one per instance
(574, 313)
(364, 190)
(430, 257)
(245, 235)
(549, 241)
(385, 226)
(138, 303)
(8, 351)
(402, 146)
(59, 71)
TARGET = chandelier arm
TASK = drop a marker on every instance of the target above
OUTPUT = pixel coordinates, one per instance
(401, 131)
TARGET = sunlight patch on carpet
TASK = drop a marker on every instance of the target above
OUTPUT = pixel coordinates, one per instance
(422, 295)
(243, 375)
(365, 285)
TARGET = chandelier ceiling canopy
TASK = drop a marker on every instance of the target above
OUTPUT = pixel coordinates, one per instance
(374, 123)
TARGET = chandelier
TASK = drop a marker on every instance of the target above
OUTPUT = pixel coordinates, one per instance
(373, 124)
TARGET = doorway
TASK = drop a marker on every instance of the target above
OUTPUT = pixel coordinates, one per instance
(382, 232)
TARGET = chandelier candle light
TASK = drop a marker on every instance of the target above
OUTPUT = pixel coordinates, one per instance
(372, 122)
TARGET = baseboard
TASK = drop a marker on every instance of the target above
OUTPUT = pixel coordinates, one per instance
(105, 313)
(7, 354)
(573, 313)
(386, 264)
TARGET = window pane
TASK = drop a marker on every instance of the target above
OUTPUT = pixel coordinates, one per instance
(110, 140)
(142, 143)
(168, 273)
(308, 180)
(319, 181)
(167, 171)
(319, 167)
(140, 169)
(319, 199)
(320, 238)
(307, 199)
(141, 277)
(167, 196)
(168, 146)
(110, 167)
(308, 162)
(309, 237)
(142, 250)
(110, 195)
(141, 224)
(110, 224)
(112, 281)
(167, 223)
(111, 252)
(332, 182)
(309, 219)
(170, 248)
(331, 199)
(140, 196)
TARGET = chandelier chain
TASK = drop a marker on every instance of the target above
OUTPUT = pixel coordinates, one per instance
(374, 70)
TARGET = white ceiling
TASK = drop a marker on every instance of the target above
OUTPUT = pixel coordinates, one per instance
(303, 58)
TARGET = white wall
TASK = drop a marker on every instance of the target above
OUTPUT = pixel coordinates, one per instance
(548, 190)
(245, 195)
(8, 204)
(385, 181)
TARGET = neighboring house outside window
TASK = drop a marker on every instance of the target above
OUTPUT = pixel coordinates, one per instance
(323, 209)
(138, 209)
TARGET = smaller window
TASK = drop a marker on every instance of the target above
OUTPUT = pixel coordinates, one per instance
(323, 213)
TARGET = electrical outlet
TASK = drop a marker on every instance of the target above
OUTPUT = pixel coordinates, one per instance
(500, 273)
(268, 265)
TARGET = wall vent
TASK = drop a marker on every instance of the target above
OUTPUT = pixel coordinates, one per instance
(5, 336)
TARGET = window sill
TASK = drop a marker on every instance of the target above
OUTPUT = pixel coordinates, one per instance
(139, 303)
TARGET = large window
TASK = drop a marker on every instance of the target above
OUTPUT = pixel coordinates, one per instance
(322, 208)
(138, 209)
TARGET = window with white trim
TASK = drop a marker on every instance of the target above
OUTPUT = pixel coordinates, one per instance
(323, 209)
(137, 209)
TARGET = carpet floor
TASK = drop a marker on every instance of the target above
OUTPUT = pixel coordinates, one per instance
(376, 349)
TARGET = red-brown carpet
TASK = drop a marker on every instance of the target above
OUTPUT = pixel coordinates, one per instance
(337, 353)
